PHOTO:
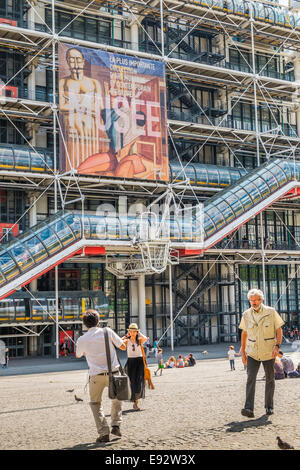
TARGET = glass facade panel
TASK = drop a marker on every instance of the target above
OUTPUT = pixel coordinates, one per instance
(96, 277)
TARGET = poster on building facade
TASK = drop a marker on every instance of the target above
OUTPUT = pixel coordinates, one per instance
(112, 111)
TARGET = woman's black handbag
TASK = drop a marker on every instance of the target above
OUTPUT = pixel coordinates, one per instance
(119, 383)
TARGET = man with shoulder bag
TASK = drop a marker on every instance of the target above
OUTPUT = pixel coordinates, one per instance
(92, 346)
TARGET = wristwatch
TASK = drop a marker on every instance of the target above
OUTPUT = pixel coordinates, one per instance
(277, 345)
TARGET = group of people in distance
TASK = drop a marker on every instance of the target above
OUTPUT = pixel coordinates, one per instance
(172, 362)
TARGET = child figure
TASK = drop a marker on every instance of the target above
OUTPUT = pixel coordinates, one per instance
(231, 356)
(160, 362)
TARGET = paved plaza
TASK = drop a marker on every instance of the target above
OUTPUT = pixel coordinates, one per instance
(192, 408)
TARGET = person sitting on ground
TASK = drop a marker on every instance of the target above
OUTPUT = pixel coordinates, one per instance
(278, 369)
(192, 360)
(287, 362)
(171, 362)
(186, 361)
(180, 361)
(295, 373)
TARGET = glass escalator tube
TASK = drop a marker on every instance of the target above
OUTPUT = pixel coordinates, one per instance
(98, 227)
(6, 158)
(36, 248)
(41, 161)
(49, 238)
(224, 177)
(226, 210)
(201, 176)
(75, 222)
(8, 267)
(175, 232)
(249, 191)
(189, 173)
(22, 159)
(123, 220)
(209, 226)
(113, 227)
(21, 256)
(63, 232)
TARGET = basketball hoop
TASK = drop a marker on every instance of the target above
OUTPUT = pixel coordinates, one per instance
(153, 257)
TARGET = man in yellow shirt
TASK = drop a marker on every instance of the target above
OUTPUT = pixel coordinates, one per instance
(261, 339)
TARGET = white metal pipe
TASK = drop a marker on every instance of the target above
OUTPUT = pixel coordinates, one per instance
(55, 169)
(257, 141)
(171, 308)
(142, 304)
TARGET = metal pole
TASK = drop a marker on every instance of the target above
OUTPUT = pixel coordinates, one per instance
(54, 110)
(162, 29)
(171, 308)
(257, 143)
(142, 304)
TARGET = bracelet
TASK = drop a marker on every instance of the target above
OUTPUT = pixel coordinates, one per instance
(277, 345)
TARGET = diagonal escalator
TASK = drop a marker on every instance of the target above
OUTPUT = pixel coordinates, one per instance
(65, 234)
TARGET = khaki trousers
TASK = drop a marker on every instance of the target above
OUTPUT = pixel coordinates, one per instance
(97, 384)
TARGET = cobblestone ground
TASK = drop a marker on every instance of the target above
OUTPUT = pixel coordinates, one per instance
(192, 408)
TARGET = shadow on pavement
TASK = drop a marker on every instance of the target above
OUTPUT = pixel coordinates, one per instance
(239, 426)
(36, 409)
(92, 445)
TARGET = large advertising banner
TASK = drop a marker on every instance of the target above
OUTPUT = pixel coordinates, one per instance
(112, 110)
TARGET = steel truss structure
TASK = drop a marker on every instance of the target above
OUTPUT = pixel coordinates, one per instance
(233, 78)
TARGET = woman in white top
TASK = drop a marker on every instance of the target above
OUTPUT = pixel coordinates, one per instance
(135, 363)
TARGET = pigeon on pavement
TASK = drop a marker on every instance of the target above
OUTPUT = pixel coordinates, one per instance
(283, 445)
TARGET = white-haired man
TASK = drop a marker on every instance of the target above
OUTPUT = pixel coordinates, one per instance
(261, 339)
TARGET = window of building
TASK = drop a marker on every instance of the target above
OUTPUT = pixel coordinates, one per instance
(82, 27)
